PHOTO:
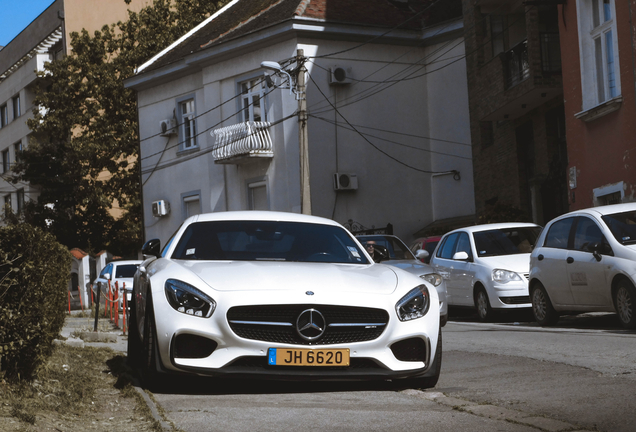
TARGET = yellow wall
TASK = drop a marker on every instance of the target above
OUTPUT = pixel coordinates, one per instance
(94, 14)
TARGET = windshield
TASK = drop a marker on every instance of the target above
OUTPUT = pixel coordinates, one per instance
(622, 226)
(506, 241)
(267, 241)
(397, 249)
(125, 271)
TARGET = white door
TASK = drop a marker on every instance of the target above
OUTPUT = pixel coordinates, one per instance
(587, 274)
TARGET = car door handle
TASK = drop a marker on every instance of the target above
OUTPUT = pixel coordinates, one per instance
(570, 260)
(540, 257)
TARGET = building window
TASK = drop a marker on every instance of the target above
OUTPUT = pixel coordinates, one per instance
(257, 195)
(188, 124)
(6, 163)
(20, 194)
(253, 100)
(599, 51)
(17, 110)
(191, 204)
(17, 147)
(4, 115)
(7, 202)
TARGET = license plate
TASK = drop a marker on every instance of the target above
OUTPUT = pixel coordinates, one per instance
(308, 357)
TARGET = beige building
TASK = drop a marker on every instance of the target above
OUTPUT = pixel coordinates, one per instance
(45, 39)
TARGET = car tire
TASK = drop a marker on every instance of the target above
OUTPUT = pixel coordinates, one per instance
(431, 381)
(542, 309)
(482, 304)
(624, 299)
(134, 341)
(149, 366)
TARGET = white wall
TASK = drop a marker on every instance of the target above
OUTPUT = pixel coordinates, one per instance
(404, 113)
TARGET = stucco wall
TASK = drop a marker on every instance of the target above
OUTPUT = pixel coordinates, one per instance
(401, 114)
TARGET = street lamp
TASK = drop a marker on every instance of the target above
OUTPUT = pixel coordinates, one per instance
(299, 91)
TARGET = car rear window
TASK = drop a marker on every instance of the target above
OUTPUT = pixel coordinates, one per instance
(622, 226)
(125, 271)
(506, 241)
(267, 240)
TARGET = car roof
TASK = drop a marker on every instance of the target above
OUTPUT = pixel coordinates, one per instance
(259, 215)
(493, 226)
(603, 210)
(124, 262)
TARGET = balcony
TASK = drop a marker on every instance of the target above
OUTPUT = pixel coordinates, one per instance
(530, 76)
(241, 142)
(516, 66)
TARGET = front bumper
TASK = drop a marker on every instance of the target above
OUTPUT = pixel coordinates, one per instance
(227, 354)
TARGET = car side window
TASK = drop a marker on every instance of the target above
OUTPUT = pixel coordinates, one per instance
(463, 245)
(588, 235)
(447, 249)
(559, 233)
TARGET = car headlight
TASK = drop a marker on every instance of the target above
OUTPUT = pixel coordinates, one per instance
(413, 305)
(432, 278)
(505, 276)
(189, 300)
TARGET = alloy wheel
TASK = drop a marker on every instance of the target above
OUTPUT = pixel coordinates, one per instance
(539, 304)
(624, 305)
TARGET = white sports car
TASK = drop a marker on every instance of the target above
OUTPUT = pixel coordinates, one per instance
(279, 295)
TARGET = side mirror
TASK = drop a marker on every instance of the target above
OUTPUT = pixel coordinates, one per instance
(460, 256)
(152, 248)
(421, 255)
(107, 276)
(596, 251)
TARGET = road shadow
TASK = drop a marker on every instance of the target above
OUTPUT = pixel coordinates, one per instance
(198, 385)
(523, 317)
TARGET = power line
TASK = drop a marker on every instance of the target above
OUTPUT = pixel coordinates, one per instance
(373, 145)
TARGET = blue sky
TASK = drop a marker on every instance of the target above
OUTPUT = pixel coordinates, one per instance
(15, 15)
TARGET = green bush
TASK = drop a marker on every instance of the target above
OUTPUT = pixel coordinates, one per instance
(34, 277)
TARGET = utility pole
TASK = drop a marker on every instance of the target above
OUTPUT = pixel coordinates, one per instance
(303, 139)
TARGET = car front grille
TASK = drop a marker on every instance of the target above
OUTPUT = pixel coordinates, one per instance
(278, 323)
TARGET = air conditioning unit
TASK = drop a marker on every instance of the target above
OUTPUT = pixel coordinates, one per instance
(345, 181)
(160, 208)
(168, 127)
(340, 75)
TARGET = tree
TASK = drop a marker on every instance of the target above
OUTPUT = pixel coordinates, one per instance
(84, 153)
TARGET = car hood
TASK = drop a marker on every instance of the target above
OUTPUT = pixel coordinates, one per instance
(519, 263)
(282, 276)
(412, 266)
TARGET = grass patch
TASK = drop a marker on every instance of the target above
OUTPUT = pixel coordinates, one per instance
(77, 389)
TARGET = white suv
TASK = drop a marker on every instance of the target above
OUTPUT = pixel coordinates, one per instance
(586, 261)
(486, 266)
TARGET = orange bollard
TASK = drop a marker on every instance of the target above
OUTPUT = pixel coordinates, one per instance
(116, 303)
(69, 302)
(125, 308)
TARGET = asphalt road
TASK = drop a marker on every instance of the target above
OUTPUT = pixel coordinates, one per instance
(508, 376)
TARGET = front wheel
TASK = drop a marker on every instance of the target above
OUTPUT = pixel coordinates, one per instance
(135, 353)
(624, 299)
(484, 310)
(431, 377)
(542, 309)
(149, 359)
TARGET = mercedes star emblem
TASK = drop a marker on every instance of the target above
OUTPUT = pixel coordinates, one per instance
(310, 324)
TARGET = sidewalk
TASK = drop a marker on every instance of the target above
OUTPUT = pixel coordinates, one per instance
(78, 331)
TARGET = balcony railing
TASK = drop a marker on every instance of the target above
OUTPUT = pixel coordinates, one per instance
(242, 140)
(516, 64)
(550, 52)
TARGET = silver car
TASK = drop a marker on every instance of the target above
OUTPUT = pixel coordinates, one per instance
(389, 249)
